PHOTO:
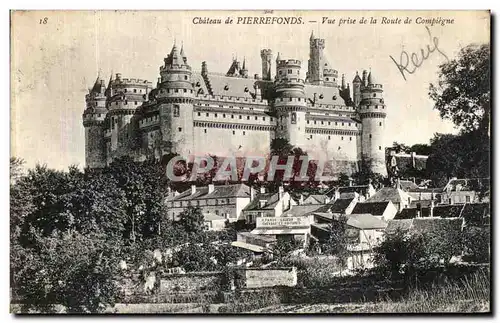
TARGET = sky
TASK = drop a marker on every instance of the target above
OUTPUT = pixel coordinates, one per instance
(54, 63)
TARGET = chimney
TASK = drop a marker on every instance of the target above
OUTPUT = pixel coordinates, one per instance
(398, 184)
(252, 193)
(256, 76)
(118, 76)
(301, 200)
(193, 189)
(350, 182)
(262, 203)
(211, 188)
(262, 190)
(281, 190)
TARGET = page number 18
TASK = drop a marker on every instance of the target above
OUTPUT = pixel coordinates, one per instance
(44, 21)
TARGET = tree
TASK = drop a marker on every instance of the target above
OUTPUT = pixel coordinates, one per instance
(421, 149)
(338, 242)
(192, 220)
(365, 175)
(400, 147)
(67, 268)
(462, 93)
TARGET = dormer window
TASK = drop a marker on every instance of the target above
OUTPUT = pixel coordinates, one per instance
(246, 89)
(321, 96)
(226, 87)
(334, 97)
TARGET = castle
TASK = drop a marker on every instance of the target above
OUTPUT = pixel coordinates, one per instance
(234, 114)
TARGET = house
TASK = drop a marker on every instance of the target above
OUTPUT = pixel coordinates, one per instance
(425, 194)
(382, 210)
(365, 232)
(341, 206)
(364, 191)
(303, 210)
(214, 222)
(466, 190)
(267, 205)
(226, 201)
(397, 196)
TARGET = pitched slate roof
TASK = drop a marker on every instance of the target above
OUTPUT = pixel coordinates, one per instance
(220, 191)
(339, 206)
(373, 208)
(473, 213)
(395, 195)
(395, 225)
(411, 213)
(271, 200)
(302, 210)
(353, 189)
(231, 86)
(407, 185)
(327, 92)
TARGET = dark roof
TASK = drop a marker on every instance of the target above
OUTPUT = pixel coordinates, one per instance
(339, 206)
(467, 184)
(353, 189)
(271, 200)
(220, 191)
(392, 194)
(423, 203)
(301, 210)
(373, 208)
(473, 213)
(411, 213)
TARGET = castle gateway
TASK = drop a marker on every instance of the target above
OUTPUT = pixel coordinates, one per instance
(233, 114)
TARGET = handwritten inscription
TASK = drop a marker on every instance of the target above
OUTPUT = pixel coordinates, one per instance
(410, 63)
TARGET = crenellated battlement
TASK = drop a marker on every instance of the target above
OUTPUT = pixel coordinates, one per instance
(288, 63)
(232, 99)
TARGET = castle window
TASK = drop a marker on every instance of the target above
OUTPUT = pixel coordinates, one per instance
(307, 121)
(289, 71)
(329, 138)
(327, 79)
(126, 102)
(240, 117)
(248, 117)
(243, 133)
(279, 72)
(135, 90)
(176, 90)
(314, 121)
(205, 130)
(379, 147)
(341, 138)
(339, 148)
(329, 122)
(199, 114)
(342, 123)
(135, 102)
(321, 122)
(185, 90)
(290, 99)
(234, 132)
(350, 138)
(370, 136)
(263, 118)
(125, 90)
(380, 124)
(223, 115)
(215, 115)
(374, 95)
(180, 129)
(255, 117)
(208, 114)
(310, 136)
(232, 116)
(336, 123)
(271, 118)
(221, 106)
(294, 118)
(185, 77)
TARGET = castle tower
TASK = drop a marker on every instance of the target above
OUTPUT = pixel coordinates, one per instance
(125, 95)
(93, 121)
(372, 112)
(266, 56)
(176, 105)
(290, 102)
(356, 89)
